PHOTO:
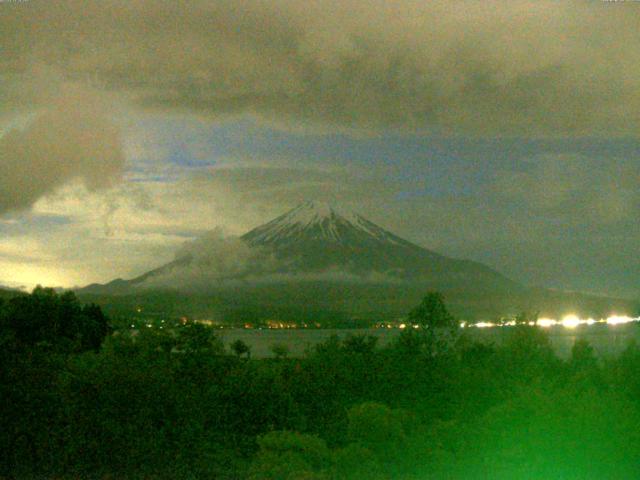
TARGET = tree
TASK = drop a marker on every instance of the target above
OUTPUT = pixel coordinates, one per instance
(584, 363)
(583, 356)
(379, 429)
(555, 431)
(60, 322)
(284, 455)
(528, 353)
(438, 331)
(355, 462)
(432, 313)
(198, 338)
(360, 343)
(39, 335)
(525, 318)
(240, 348)
(280, 350)
(154, 340)
(94, 327)
(376, 427)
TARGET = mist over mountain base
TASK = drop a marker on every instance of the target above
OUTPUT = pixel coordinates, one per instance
(319, 265)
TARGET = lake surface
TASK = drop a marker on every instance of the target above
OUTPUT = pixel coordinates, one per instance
(606, 340)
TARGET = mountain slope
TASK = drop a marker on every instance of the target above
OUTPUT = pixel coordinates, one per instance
(315, 237)
(312, 240)
(316, 260)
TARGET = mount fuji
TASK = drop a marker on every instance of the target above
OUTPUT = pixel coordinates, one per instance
(317, 237)
(316, 261)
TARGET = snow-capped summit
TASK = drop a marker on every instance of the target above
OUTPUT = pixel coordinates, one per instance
(314, 212)
(318, 261)
(316, 242)
(315, 236)
(314, 220)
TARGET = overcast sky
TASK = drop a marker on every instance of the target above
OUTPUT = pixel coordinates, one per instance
(504, 132)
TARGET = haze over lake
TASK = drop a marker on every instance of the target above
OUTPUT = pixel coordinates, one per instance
(606, 340)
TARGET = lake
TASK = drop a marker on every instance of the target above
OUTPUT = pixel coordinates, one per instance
(606, 340)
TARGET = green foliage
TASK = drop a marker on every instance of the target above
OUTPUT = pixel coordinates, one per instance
(355, 462)
(280, 350)
(31, 427)
(583, 358)
(432, 313)
(240, 348)
(376, 427)
(163, 404)
(438, 332)
(554, 432)
(624, 372)
(286, 455)
(527, 353)
(198, 338)
(364, 344)
(48, 320)
(38, 334)
(154, 340)
(525, 318)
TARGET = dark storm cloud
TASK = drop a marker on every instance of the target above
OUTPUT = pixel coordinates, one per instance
(563, 220)
(534, 68)
(70, 140)
(335, 74)
(272, 190)
(576, 189)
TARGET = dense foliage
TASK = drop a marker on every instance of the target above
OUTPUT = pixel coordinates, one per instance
(175, 405)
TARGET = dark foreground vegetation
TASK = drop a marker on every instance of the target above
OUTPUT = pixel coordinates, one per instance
(78, 401)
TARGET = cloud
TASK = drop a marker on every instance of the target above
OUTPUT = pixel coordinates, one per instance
(487, 68)
(559, 220)
(216, 260)
(220, 256)
(577, 189)
(72, 140)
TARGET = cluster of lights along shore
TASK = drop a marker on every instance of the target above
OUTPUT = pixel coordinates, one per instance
(568, 321)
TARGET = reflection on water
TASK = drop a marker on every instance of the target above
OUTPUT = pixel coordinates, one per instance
(606, 339)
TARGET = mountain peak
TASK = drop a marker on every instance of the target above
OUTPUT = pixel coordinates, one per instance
(318, 206)
(315, 244)
(313, 211)
(319, 221)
